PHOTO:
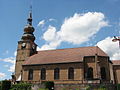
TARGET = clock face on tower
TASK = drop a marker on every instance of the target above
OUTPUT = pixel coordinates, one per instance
(23, 45)
(33, 46)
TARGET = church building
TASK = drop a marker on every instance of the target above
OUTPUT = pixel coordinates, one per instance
(72, 66)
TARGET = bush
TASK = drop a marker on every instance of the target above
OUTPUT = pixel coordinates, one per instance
(0, 87)
(42, 89)
(5, 85)
(88, 87)
(49, 85)
(118, 86)
(21, 86)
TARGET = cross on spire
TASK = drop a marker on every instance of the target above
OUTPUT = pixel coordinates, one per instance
(29, 20)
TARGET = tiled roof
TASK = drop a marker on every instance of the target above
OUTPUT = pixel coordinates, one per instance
(116, 62)
(63, 55)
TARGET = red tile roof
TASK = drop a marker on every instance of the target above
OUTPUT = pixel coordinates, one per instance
(116, 62)
(63, 55)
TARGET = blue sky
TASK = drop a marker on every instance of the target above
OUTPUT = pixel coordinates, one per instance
(58, 24)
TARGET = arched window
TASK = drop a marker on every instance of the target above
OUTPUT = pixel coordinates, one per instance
(43, 74)
(56, 73)
(30, 74)
(71, 73)
(90, 73)
(103, 73)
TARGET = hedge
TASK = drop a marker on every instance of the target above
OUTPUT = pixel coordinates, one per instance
(5, 85)
(48, 85)
(21, 86)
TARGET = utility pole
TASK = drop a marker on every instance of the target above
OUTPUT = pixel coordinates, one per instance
(116, 39)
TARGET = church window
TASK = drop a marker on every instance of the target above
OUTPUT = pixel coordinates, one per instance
(103, 73)
(90, 73)
(30, 74)
(71, 73)
(43, 74)
(56, 73)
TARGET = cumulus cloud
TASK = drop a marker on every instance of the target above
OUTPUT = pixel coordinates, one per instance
(2, 75)
(41, 23)
(111, 48)
(12, 68)
(77, 29)
(50, 34)
(15, 53)
(10, 60)
(81, 27)
(51, 45)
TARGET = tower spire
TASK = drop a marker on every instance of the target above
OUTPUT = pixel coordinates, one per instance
(29, 20)
(29, 29)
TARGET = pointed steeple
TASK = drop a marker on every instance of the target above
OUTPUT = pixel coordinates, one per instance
(29, 29)
(29, 20)
(26, 46)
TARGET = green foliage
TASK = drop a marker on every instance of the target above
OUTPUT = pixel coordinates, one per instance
(88, 87)
(102, 86)
(21, 86)
(42, 89)
(101, 89)
(63, 89)
(5, 85)
(118, 86)
(0, 87)
(49, 85)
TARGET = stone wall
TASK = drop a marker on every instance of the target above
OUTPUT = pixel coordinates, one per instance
(83, 86)
(116, 69)
(78, 72)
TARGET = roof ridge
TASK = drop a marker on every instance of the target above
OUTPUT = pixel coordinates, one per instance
(68, 48)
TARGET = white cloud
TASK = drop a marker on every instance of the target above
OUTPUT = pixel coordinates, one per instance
(10, 60)
(2, 75)
(111, 48)
(80, 28)
(41, 23)
(52, 19)
(15, 53)
(12, 68)
(38, 48)
(77, 29)
(50, 34)
(51, 45)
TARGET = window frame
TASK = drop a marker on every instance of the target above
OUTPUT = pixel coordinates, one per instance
(56, 74)
(71, 73)
(103, 73)
(90, 73)
(43, 74)
(30, 74)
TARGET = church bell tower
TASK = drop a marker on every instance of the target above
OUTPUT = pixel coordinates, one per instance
(26, 46)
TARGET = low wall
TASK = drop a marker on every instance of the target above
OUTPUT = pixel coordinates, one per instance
(83, 86)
